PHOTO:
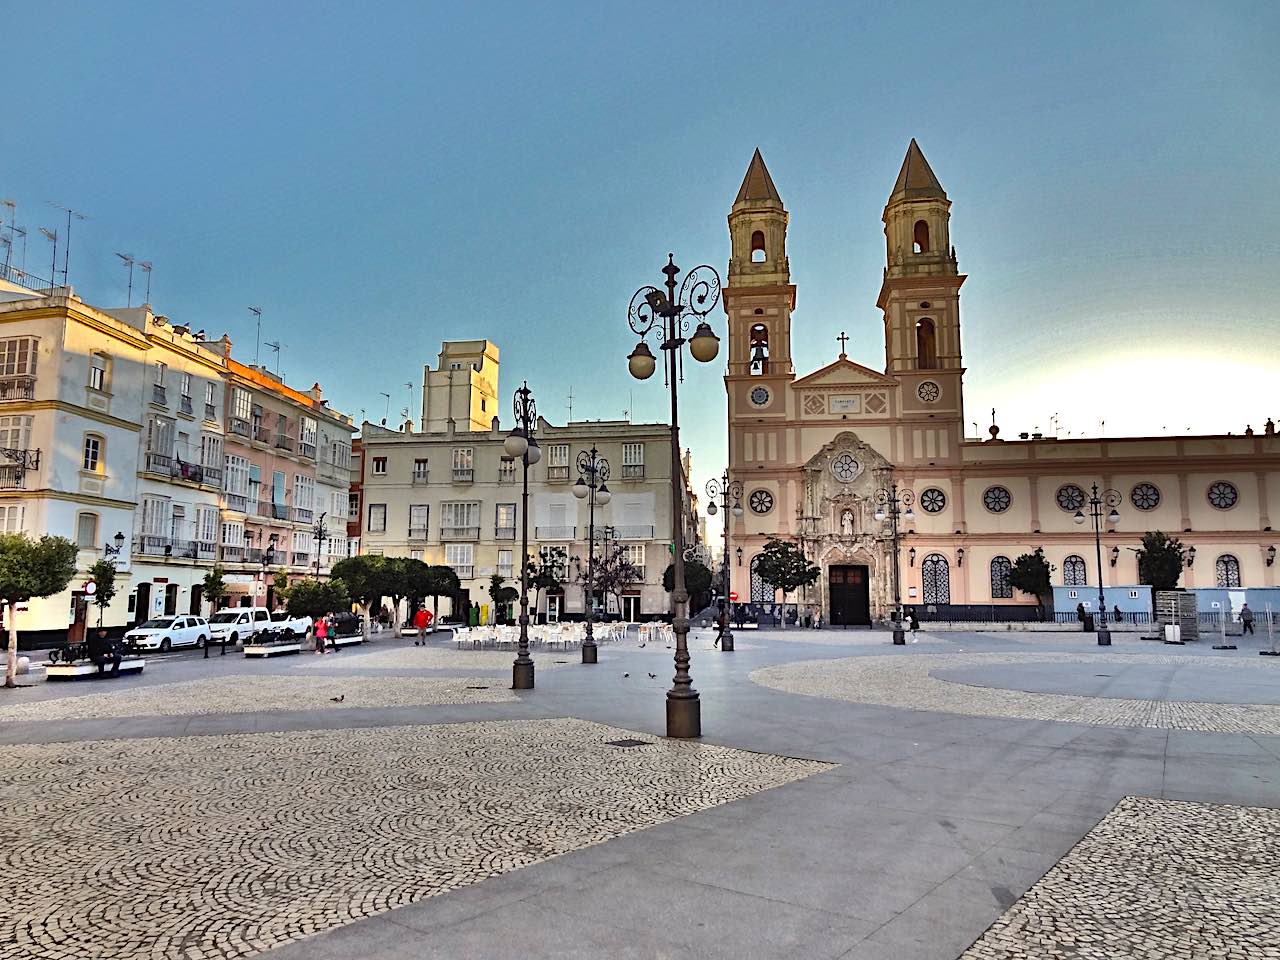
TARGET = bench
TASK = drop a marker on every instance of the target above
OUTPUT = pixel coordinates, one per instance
(345, 641)
(271, 649)
(88, 670)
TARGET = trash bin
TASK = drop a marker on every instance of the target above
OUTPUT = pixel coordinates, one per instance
(1088, 623)
(1173, 633)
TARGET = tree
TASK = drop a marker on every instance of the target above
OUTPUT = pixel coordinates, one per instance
(31, 568)
(501, 596)
(363, 578)
(697, 580)
(215, 588)
(280, 586)
(614, 573)
(441, 581)
(1030, 574)
(547, 571)
(1160, 561)
(103, 575)
(316, 598)
(784, 565)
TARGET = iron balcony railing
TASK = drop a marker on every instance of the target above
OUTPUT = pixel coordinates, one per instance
(158, 395)
(555, 533)
(159, 463)
(240, 427)
(11, 478)
(302, 514)
(187, 471)
(419, 533)
(419, 478)
(211, 412)
(558, 473)
(633, 471)
(279, 511)
(230, 553)
(307, 449)
(237, 502)
(262, 435)
(284, 443)
(465, 571)
(633, 531)
(459, 533)
(184, 406)
(212, 475)
(504, 533)
(301, 558)
(17, 388)
(463, 475)
(11, 273)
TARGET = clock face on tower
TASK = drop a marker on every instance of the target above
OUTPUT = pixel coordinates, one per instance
(759, 396)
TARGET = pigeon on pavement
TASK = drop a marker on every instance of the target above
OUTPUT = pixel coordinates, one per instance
(338, 699)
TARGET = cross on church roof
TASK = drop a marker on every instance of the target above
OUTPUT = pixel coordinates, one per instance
(844, 339)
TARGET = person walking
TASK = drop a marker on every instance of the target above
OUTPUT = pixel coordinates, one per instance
(1080, 613)
(322, 634)
(722, 624)
(1246, 620)
(421, 621)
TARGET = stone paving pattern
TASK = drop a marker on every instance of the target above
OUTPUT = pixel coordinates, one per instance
(429, 658)
(220, 847)
(257, 694)
(1156, 879)
(906, 681)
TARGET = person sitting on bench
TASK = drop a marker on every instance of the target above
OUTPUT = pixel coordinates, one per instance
(103, 651)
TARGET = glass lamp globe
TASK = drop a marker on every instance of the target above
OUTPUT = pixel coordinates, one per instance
(1079, 517)
(580, 489)
(641, 362)
(534, 453)
(712, 509)
(879, 514)
(515, 445)
(1113, 517)
(603, 495)
(737, 510)
(705, 344)
(909, 516)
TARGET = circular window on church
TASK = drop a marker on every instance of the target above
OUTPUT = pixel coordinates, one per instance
(997, 499)
(1070, 497)
(929, 391)
(844, 468)
(933, 500)
(1145, 496)
(759, 396)
(760, 501)
(1223, 495)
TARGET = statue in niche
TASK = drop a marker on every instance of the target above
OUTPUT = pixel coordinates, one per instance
(846, 523)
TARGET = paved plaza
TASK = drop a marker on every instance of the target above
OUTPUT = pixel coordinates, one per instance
(994, 797)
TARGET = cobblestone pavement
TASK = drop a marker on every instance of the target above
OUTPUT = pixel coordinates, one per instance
(906, 681)
(427, 658)
(1156, 879)
(221, 846)
(255, 694)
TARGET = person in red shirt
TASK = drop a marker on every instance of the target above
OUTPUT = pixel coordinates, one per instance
(422, 620)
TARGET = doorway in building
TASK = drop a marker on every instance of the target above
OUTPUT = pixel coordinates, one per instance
(197, 599)
(79, 616)
(554, 606)
(171, 600)
(631, 607)
(142, 608)
(850, 596)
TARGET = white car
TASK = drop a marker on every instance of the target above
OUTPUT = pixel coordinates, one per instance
(238, 624)
(295, 626)
(165, 633)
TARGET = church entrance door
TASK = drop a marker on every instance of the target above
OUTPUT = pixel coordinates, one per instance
(850, 596)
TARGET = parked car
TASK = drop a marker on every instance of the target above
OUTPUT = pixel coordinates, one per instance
(237, 624)
(288, 626)
(165, 633)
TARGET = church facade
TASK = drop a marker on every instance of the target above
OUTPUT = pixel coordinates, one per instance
(817, 453)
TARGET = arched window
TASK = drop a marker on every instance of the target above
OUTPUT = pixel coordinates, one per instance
(1074, 573)
(926, 345)
(1228, 570)
(1001, 584)
(758, 339)
(935, 578)
(757, 247)
(920, 237)
(762, 591)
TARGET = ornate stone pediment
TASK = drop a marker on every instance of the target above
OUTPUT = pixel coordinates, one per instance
(844, 373)
(839, 489)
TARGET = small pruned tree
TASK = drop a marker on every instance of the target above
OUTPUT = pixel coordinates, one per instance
(214, 587)
(280, 586)
(1160, 560)
(784, 565)
(697, 580)
(502, 596)
(1030, 574)
(30, 568)
(103, 575)
(317, 598)
(363, 578)
(548, 571)
(441, 581)
(615, 573)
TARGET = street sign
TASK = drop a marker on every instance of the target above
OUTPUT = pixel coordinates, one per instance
(733, 594)
(90, 588)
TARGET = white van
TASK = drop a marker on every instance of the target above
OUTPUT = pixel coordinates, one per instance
(237, 624)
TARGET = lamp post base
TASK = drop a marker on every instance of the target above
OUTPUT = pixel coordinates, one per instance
(726, 642)
(899, 638)
(1104, 637)
(589, 652)
(684, 717)
(522, 675)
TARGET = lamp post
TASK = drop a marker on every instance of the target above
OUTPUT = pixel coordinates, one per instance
(593, 471)
(892, 504)
(319, 533)
(669, 313)
(1097, 500)
(521, 443)
(725, 490)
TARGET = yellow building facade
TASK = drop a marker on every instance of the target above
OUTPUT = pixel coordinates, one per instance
(814, 451)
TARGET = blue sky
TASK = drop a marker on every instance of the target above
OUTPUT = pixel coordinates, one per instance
(380, 177)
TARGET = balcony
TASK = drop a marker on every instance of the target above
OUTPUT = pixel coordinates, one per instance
(159, 463)
(262, 435)
(504, 533)
(301, 514)
(211, 412)
(212, 476)
(241, 428)
(554, 533)
(284, 443)
(463, 475)
(237, 502)
(419, 533)
(558, 473)
(17, 388)
(158, 395)
(633, 532)
(153, 545)
(506, 571)
(184, 406)
(279, 511)
(12, 477)
(459, 533)
(191, 472)
(465, 571)
(307, 449)
(231, 554)
(419, 478)
(633, 471)
(301, 559)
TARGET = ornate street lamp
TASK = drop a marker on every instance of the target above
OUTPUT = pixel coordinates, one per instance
(892, 504)
(1097, 500)
(651, 308)
(725, 490)
(522, 444)
(593, 471)
(319, 533)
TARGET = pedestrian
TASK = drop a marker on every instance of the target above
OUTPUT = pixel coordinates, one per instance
(915, 621)
(1080, 613)
(1246, 619)
(817, 618)
(322, 633)
(102, 651)
(722, 625)
(1116, 614)
(741, 610)
(421, 621)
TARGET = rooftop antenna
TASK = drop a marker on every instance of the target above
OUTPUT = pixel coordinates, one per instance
(257, 313)
(408, 385)
(387, 413)
(128, 260)
(275, 345)
(66, 244)
(145, 267)
(52, 237)
(22, 232)
(13, 208)
(571, 403)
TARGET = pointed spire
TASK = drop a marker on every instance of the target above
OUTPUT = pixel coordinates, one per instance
(916, 180)
(757, 184)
